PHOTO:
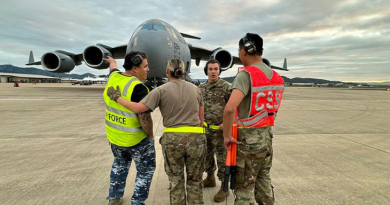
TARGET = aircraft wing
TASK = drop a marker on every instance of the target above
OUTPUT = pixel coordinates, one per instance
(237, 61)
(223, 56)
(117, 52)
(199, 53)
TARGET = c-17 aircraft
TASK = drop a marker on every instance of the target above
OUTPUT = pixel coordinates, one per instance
(158, 39)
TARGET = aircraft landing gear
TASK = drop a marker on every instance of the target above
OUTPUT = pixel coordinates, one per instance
(154, 83)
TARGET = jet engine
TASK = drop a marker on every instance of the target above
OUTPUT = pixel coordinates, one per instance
(223, 57)
(57, 62)
(93, 57)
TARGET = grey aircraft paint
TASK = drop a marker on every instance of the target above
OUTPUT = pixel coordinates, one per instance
(158, 39)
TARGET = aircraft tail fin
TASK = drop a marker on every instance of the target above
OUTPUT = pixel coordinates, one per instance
(285, 64)
(189, 36)
(31, 58)
(279, 68)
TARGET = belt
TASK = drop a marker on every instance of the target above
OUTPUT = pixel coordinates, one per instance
(185, 129)
(213, 127)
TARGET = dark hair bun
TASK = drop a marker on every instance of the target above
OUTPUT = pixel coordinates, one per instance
(178, 72)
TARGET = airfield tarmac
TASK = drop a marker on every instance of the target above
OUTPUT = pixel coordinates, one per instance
(331, 146)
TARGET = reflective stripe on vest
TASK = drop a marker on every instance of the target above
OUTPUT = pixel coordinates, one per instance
(252, 121)
(213, 127)
(185, 129)
(120, 112)
(266, 95)
(123, 127)
(127, 86)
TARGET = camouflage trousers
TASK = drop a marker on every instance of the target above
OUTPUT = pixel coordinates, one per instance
(215, 146)
(254, 161)
(144, 156)
(184, 152)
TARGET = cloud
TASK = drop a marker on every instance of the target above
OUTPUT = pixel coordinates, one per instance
(335, 39)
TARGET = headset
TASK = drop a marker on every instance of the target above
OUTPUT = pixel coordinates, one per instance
(136, 60)
(249, 45)
(206, 69)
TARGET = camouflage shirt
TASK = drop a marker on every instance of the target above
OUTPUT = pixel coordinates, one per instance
(215, 96)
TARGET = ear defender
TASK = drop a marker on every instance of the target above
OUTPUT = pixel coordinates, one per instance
(136, 60)
(249, 46)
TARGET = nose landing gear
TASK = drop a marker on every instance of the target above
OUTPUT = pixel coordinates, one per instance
(154, 82)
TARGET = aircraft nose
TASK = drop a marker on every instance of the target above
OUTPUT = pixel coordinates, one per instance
(156, 47)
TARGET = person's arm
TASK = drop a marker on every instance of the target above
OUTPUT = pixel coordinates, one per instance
(115, 95)
(145, 119)
(133, 106)
(112, 63)
(201, 106)
(228, 116)
(201, 115)
(226, 97)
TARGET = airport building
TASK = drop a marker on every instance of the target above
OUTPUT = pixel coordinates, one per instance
(27, 78)
(95, 80)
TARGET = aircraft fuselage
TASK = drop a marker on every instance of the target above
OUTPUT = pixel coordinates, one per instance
(161, 42)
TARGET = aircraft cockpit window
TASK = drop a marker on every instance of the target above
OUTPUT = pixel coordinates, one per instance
(153, 27)
(147, 27)
(172, 32)
(159, 28)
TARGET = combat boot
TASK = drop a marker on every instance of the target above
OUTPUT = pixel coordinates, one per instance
(221, 195)
(115, 202)
(209, 181)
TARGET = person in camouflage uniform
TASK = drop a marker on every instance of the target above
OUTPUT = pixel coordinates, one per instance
(254, 150)
(215, 93)
(184, 151)
(254, 162)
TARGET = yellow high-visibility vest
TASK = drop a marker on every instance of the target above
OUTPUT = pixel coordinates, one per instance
(123, 127)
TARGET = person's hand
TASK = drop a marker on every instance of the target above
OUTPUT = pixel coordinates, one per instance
(114, 94)
(228, 140)
(110, 61)
(221, 126)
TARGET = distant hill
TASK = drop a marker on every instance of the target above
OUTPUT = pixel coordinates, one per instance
(309, 80)
(36, 71)
(297, 80)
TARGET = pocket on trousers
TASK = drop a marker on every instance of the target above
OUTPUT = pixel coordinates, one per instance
(240, 174)
(201, 143)
(256, 143)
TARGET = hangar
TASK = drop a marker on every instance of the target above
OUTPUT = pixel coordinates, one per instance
(27, 78)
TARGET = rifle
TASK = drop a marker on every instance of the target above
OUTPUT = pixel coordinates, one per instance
(231, 159)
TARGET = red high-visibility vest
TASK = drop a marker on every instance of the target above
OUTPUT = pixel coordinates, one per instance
(266, 96)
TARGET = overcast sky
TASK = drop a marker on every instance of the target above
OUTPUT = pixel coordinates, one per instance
(346, 40)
